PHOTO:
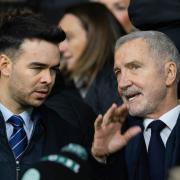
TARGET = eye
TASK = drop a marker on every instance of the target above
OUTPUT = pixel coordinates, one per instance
(134, 66)
(117, 73)
(55, 69)
(120, 8)
(37, 68)
(69, 37)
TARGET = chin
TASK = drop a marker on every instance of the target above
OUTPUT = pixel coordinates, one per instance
(136, 112)
(37, 103)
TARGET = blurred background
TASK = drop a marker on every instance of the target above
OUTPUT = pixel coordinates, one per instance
(52, 9)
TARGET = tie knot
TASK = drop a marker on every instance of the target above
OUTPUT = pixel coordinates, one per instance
(16, 121)
(157, 125)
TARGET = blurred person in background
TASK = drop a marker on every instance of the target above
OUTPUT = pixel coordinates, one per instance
(87, 52)
(120, 10)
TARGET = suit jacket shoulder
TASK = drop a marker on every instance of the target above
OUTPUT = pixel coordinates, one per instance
(58, 132)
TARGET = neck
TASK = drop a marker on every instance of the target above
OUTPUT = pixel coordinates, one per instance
(164, 107)
(8, 101)
(12, 106)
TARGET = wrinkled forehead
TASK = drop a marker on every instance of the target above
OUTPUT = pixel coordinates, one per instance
(134, 50)
(134, 46)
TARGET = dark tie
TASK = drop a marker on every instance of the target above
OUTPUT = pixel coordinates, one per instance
(156, 151)
(18, 140)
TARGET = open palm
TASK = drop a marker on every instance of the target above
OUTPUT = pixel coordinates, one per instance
(108, 137)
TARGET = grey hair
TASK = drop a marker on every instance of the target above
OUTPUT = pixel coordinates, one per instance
(159, 43)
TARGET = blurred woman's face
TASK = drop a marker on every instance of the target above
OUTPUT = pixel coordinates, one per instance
(120, 10)
(76, 39)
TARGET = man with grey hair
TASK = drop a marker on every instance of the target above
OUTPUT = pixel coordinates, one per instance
(146, 144)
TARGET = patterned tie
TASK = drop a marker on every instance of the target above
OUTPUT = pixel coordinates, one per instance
(156, 151)
(18, 140)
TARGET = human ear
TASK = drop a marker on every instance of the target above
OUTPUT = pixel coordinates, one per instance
(5, 65)
(171, 72)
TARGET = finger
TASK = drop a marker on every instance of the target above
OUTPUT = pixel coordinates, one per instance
(121, 113)
(109, 114)
(130, 133)
(98, 122)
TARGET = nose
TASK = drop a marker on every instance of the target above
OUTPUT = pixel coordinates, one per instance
(48, 77)
(124, 81)
(63, 46)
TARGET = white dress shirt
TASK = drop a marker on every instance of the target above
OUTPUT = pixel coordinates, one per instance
(169, 118)
(26, 116)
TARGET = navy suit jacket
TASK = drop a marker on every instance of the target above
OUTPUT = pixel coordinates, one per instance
(50, 134)
(131, 163)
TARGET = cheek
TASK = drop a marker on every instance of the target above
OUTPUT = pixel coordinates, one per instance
(79, 42)
(71, 63)
(125, 18)
(77, 51)
(24, 82)
(154, 86)
(18, 87)
(79, 46)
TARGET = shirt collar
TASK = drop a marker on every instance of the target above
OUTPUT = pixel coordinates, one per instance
(169, 118)
(26, 115)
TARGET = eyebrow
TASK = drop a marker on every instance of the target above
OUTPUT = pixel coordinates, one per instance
(133, 62)
(38, 64)
(42, 64)
(128, 63)
(119, 4)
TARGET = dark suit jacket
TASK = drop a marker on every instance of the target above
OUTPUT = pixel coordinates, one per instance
(66, 101)
(50, 133)
(131, 162)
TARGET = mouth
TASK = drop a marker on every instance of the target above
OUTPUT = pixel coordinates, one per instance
(64, 61)
(66, 57)
(133, 96)
(41, 94)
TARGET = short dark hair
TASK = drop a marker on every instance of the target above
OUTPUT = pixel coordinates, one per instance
(20, 24)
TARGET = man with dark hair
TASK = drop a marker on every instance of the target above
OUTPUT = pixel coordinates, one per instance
(29, 59)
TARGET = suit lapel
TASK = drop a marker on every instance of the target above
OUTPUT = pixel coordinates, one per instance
(136, 158)
(136, 153)
(173, 147)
